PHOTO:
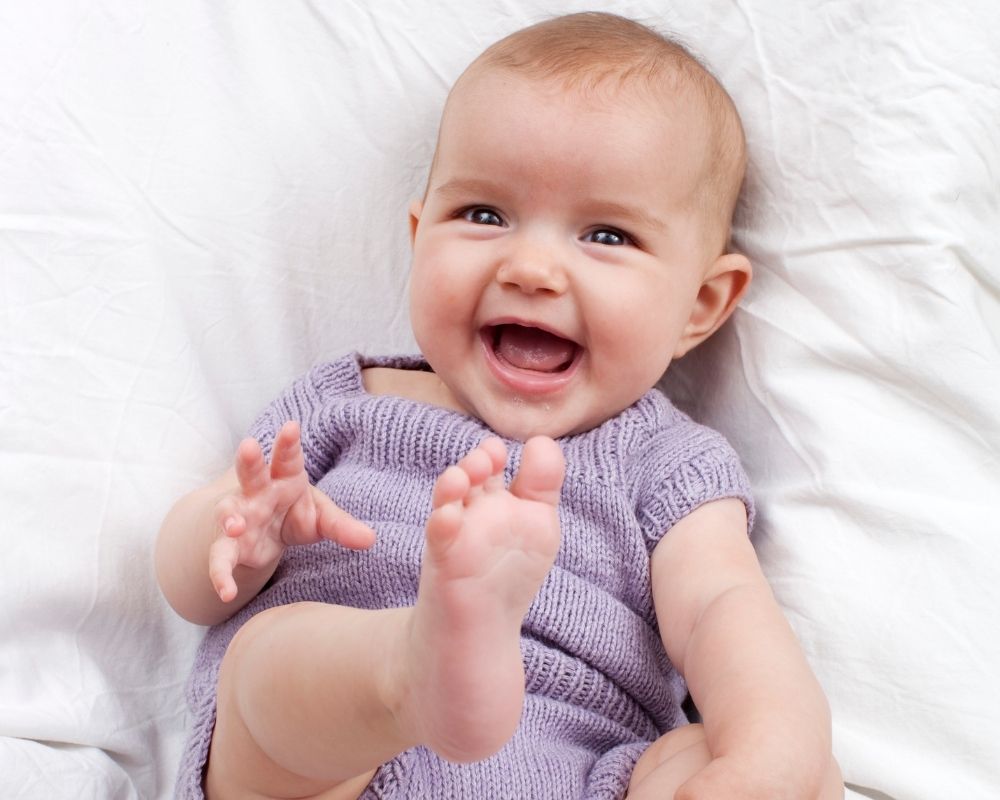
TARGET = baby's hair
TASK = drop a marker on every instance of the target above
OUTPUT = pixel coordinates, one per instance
(592, 50)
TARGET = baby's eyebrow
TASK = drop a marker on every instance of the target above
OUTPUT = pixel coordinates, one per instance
(464, 186)
(630, 214)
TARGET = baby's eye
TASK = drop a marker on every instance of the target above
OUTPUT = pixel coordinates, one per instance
(482, 216)
(606, 236)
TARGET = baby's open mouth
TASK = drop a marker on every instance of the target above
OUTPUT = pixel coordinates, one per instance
(531, 348)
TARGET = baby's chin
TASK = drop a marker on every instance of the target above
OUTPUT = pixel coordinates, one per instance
(521, 416)
(520, 421)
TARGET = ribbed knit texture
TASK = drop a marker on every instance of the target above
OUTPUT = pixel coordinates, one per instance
(599, 685)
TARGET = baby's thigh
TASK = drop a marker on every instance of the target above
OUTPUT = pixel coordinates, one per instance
(669, 762)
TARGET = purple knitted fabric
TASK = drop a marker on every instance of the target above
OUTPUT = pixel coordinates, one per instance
(599, 685)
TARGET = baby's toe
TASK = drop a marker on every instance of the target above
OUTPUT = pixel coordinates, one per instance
(452, 485)
(540, 475)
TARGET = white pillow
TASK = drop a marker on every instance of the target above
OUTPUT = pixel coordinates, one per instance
(200, 199)
(861, 378)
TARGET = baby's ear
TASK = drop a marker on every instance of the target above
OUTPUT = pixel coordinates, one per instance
(724, 285)
(416, 208)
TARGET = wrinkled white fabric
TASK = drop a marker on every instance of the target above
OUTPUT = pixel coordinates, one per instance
(198, 200)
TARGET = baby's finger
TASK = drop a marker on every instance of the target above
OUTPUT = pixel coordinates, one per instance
(234, 526)
(223, 556)
(335, 524)
(229, 520)
(287, 459)
(251, 470)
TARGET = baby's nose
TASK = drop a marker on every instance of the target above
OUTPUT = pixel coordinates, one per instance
(534, 270)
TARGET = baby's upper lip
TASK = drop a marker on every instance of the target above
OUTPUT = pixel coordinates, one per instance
(527, 323)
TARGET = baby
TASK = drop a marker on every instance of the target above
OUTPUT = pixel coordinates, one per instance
(560, 554)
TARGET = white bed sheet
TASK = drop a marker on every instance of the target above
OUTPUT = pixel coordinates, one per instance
(198, 200)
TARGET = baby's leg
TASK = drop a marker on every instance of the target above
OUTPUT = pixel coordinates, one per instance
(313, 698)
(488, 551)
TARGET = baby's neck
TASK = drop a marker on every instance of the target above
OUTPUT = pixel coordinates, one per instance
(423, 386)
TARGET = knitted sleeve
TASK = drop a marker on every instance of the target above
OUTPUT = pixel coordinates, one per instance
(680, 469)
(309, 400)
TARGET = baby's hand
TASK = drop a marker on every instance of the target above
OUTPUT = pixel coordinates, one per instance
(679, 765)
(730, 778)
(274, 507)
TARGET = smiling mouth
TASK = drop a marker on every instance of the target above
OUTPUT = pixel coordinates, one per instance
(531, 349)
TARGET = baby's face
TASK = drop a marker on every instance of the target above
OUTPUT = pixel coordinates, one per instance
(558, 252)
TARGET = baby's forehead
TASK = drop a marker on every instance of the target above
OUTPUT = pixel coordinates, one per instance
(687, 95)
(651, 99)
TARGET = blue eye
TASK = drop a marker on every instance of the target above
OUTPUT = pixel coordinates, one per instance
(482, 216)
(607, 236)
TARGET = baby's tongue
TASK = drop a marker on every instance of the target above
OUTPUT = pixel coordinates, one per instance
(533, 348)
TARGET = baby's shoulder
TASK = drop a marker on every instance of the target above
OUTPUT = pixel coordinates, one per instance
(671, 464)
(655, 432)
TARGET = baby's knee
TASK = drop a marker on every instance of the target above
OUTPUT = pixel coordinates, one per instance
(833, 783)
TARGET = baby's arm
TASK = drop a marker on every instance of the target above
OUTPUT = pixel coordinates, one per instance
(221, 543)
(766, 721)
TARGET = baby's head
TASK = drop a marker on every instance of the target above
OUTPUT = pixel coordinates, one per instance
(573, 237)
(610, 60)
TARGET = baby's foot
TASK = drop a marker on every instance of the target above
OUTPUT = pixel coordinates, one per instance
(488, 550)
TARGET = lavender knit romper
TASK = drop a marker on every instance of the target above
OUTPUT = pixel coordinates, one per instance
(599, 685)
